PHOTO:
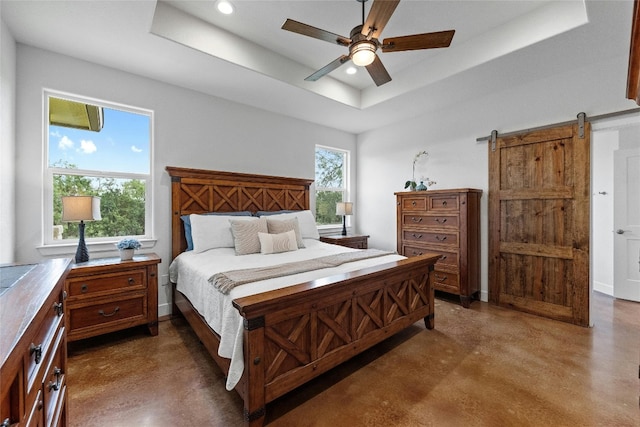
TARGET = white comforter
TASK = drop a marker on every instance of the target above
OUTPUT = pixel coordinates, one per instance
(191, 272)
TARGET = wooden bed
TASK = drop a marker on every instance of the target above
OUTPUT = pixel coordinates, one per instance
(295, 334)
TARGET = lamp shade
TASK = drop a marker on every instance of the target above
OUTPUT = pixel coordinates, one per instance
(80, 208)
(344, 208)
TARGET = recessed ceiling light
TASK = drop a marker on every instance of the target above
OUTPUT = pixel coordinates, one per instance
(351, 70)
(225, 7)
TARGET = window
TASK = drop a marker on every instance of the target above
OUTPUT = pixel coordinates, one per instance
(331, 183)
(97, 149)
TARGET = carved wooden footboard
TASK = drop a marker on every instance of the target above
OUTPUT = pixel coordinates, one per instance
(296, 333)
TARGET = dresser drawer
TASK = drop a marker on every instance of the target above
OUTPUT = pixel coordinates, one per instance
(445, 281)
(441, 221)
(106, 283)
(428, 237)
(40, 346)
(444, 202)
(448, 260)
(129, 308)
(55, 380)
(418, 203)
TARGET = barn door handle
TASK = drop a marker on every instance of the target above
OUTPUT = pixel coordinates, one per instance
(621, 231)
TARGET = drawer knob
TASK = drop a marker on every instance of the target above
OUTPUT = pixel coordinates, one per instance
(441, 220)
(414, 219)
(37, 349)
(444, 203)
(417, 253)
(57, 307)
(84, 288)
(417, 236)
(443, 257)
(413, 203)
(131, 281)
(441, 238)
(115, 310)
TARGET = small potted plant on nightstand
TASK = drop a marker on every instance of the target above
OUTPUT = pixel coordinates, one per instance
(127, 247)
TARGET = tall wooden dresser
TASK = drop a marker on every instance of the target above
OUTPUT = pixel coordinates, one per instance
(446, 222)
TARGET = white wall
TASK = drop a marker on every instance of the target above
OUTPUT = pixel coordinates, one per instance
(7, 141)
(191, 130)
(450, 134)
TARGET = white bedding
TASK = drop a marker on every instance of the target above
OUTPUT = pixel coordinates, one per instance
(191, 272)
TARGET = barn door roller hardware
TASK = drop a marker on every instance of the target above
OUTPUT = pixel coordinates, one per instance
(581, 119)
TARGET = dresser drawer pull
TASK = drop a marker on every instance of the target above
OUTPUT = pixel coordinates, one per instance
(441, 239)
(444, 203)
(413, 203)
(440, 278)
(55, 386)
(6, 423)
(57, 307)
(441, 220)
(115, 310)
(417, 236)
(417, 253)
(37, 349)
(443, 257)
(131, 281)
(84, 288)
(414, 219)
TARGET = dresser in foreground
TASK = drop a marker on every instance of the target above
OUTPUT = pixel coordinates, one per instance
(33, 347)
(446, 222)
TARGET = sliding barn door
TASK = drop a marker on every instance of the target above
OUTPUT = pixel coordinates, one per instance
(539, 223)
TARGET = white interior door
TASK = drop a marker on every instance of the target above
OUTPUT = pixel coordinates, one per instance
(626, 275)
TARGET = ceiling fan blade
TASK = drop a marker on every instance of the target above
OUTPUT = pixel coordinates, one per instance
(379, 15)
(418, 41)
(327, 68)
(378, 73)
(316, 33)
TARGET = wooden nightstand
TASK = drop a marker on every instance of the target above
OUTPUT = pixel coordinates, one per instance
(350, 241)
(107, 294)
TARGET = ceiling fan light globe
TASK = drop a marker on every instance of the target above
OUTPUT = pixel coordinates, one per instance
(363, 54)
(225, 7)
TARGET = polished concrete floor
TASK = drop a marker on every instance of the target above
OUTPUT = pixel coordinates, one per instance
(483, 366)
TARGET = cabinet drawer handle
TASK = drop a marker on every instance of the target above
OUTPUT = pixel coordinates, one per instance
(441, 239)
(443, 257)
(417, 236)
(413, 203)
(440, 278)
(444, 203)
(115, 310)
(55, 386)
(131, 281)
(37, 349)
(441, 220)
(414, 219)
(57, 307)
(84, 288)
(417, 253)
(6, 423)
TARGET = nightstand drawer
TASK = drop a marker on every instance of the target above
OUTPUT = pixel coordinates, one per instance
(106, 283)
(127, 308)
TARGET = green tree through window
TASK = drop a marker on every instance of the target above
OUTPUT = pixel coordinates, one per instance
(331, 183)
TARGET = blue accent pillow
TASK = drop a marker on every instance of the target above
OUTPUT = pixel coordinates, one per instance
(187, 224)
(267, 213)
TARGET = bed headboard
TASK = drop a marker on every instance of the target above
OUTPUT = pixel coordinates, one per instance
(198, 191)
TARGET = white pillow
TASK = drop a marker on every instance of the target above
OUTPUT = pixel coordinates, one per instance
(306, 222)
(276, 243)
(212, 231)
(245, 234)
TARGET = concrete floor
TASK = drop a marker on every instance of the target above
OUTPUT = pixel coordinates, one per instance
(483, 366)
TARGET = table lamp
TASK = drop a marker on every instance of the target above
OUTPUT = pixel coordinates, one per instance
(81, 208)
(344, 209)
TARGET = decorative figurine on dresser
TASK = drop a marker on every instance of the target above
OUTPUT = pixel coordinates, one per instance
(446, 222)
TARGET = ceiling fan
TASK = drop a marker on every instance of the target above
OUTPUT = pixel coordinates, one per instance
(363, 41)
